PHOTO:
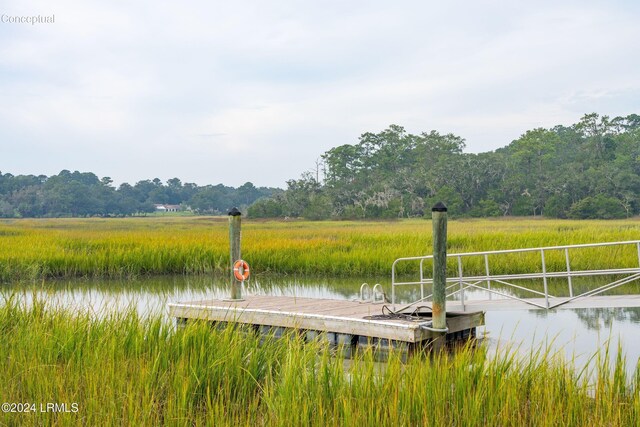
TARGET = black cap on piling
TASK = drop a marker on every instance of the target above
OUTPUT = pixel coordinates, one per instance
(234, 212)
(439, 207)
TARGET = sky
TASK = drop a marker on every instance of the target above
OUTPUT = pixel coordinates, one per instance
(229, 92)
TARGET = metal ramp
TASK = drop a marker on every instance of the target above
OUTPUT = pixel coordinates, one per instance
(613, 263)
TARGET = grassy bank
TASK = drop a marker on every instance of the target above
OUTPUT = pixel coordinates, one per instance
(122, 370)
(33, 249)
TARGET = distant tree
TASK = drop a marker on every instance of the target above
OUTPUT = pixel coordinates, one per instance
(246, 194)
(599, 206)
(210, 200)
(319, 207)
(557, 206)
(6, 209)
(265, 208)
(29, 202)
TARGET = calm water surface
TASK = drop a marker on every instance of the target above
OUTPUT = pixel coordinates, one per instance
(577, 333)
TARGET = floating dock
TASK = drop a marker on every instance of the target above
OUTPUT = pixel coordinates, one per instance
(348, 322)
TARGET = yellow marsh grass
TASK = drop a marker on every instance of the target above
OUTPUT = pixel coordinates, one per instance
(36, 248)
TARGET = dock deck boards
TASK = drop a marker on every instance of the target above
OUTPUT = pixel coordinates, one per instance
(351, 317)
(325, 315)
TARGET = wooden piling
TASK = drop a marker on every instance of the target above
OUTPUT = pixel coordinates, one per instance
(439, 221)
(235, 222)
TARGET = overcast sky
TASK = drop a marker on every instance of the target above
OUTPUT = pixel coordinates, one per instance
(228, 92)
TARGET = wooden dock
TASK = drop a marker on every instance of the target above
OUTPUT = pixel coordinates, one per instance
(357, 321)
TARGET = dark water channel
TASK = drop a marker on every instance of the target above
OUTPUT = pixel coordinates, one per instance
(576, 333)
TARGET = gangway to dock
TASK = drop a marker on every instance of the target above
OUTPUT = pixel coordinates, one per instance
(518, 289)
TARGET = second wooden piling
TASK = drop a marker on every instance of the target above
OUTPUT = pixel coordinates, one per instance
(439, 220)
(235, 223)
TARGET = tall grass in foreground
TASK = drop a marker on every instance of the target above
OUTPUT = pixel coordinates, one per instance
(39, 248)
(123, 370)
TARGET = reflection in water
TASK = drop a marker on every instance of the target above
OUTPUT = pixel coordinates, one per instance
(578, 332)
(150, 296)
(598, 318)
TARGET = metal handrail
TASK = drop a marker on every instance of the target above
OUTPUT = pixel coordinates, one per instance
(378, 296)
(551, 275)
(365, 288)
(374, 295)
(568, 273)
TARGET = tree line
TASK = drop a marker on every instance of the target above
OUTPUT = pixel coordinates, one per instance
(590, 169)
(83, 194)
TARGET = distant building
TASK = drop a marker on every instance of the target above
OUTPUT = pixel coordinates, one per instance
(167, 208)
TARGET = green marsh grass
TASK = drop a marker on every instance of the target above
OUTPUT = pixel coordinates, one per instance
(124, 370)
(95, 247)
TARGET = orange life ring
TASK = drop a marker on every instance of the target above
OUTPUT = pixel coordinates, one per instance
(241, 265)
